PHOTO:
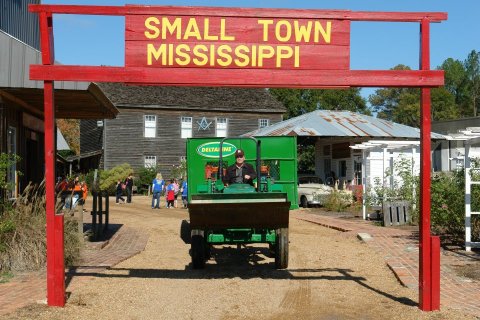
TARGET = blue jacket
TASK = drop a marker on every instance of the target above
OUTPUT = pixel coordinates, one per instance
(184, 188)
(157, 185)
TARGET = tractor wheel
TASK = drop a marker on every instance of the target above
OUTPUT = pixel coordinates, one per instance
(271, 250)
(208, 251)
(281, 249)
(185, 232)
(198, 249)
(304, 202)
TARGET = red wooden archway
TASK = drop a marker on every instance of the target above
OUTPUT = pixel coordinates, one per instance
(204, 46)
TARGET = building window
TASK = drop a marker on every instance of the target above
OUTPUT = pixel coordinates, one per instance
(262, 123)
(221, 127)
(186, 127)
(150, 161)
(150, 126)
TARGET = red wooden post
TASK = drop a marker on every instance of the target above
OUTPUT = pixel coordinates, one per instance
(55, 261)
(435, 246)
(425, 279)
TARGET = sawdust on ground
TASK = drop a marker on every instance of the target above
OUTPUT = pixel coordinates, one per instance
(330, 276)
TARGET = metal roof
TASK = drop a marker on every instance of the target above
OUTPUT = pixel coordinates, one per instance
(15, 60)
(340, 124)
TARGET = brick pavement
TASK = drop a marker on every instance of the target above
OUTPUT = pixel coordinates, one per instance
(400, 251)
(30, 288)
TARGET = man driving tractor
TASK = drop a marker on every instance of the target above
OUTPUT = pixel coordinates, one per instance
(241, 171)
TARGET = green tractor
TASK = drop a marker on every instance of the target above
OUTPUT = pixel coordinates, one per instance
(240, 213)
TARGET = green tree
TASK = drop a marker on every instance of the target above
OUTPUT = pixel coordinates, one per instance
(472, 71)
(443, 105)
(301, 101)
(402, 105)
(397, 103)
(306, 158)
(455, 76)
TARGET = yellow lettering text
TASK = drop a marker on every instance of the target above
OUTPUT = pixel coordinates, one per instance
(242, 59)
(264, 52)
(181, 51)
(297, 57)
(325, 34)
(288, 31)
(192, 30)
(153, 28)
(223, 35)
(283, 52)
(206, 30)
(227, 58)
(199, 52)
(176, 27)
(151, 51)
(302, 31)
(265, 24)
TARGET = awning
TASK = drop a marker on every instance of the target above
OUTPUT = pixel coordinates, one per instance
(69, 104)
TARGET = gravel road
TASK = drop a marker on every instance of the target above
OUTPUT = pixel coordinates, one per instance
(330, 276)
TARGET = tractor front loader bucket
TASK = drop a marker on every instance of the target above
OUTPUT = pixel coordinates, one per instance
(254, 210)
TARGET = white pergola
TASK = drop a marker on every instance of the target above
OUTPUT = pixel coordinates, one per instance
(470, 136)
(386, 146)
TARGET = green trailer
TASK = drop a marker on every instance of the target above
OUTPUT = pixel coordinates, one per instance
(240, 213)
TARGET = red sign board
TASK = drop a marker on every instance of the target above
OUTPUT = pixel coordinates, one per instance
(236, 42)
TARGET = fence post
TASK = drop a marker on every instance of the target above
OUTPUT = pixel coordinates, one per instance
(94, 214)
(107, 209)
(100, 213)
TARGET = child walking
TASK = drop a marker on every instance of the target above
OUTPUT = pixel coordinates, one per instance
(170, 194)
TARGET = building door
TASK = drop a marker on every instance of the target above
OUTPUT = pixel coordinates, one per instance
(33, 156)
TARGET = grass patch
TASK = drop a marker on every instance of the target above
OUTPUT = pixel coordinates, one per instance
(5, 276)
(23, 233)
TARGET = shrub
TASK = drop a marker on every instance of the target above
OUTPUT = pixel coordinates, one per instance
(338, 200)
(145, 178)
(447, 204)
(6, 162)
(23, 233)
(108, 178)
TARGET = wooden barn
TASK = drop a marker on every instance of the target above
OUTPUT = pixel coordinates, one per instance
(154, 122)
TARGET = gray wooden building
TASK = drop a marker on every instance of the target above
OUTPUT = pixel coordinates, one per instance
(154, 122)
(21, 99)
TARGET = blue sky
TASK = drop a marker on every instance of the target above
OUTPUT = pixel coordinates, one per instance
(99, 40)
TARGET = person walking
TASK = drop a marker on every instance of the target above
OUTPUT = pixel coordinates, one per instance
(176, 190)
(129, 187)
(157, 187)
(84, 188)
(184, 191)
(118, 192)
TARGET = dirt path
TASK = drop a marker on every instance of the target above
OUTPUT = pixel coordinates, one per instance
(329, 277)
